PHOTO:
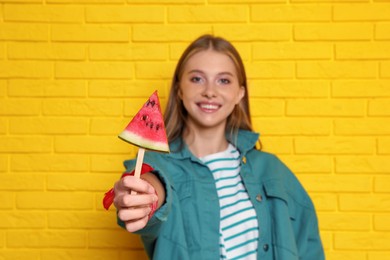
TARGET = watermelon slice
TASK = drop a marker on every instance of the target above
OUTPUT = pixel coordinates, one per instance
(147, 129)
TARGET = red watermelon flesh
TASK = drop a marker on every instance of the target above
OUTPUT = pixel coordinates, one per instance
(147, 128)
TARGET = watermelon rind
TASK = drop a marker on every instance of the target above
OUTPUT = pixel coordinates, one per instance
(138, 140)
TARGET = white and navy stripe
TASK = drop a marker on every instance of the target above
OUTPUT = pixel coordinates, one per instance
(239, 230)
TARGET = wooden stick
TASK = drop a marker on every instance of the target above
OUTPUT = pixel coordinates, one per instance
(138, 165)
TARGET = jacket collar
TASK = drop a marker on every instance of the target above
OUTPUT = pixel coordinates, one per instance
(244, 141)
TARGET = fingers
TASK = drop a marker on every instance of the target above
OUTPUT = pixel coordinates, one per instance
(129, 183)
(133, 226)
(125, 200)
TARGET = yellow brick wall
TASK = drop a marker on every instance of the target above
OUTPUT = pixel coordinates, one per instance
(73, 72)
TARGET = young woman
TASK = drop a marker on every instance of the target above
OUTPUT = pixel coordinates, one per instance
(218, 197)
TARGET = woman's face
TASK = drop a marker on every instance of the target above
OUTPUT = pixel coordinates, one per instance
(209, 89)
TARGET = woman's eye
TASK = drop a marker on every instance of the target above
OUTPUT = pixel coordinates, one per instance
(224, 81)
(196, 79)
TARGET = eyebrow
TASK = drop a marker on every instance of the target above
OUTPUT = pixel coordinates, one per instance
(202, 72)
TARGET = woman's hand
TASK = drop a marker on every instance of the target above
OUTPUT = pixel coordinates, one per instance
(134, 210)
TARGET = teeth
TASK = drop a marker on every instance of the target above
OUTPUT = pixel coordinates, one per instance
(208, 106)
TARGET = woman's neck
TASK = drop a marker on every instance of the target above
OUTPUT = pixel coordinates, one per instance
(205, 142)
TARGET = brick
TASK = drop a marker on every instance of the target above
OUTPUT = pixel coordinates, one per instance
(89, 33)
(2, 50)
(49, 163)
(80, 220)
(359, 88)
(362, 164)
(333, 31)
(79, 254)
(107, 126)
(362, 12)
(342, 255)
(48, 126)
(245, 1)
(15, 254)
(321, 107)
(327, 240)
(336, 183)
(47, 88)
(94, 70)
(362, 241)
(381, 222)
(334, 145)
(46, 51)
(7, 200)
(363, 51)
(25, 144)
(85, 182)
(88, 144)
(110, 163)
(126, 88)
(277, 145)
(288, 88)
(44, 239)
(24, 32)
(362, 126)
(85, 1)
(337, 70)
(379, 107)
(125, 14)
(44, 13)
(345, 222)
(26, 69)
(18, 107)
(385, 69)
(54, 200)
(154, 70)
(382, 31)
(207, 13)
(270, 70)
(288, 126)
(254, 32)
(324, 201)
(381, 184)
(266, 107)
(28, 220)
(3, 163)
(17, 181)
(365, 202)
(82, 107)
(104, 239)
(378, 255)
(128, 52)
(292, 51)
(168, 33)
(383, 145)
(3, 87)
(3, 125)
(290, 13)
(309, 163)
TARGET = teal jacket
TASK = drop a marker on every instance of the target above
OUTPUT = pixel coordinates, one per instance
(186, 227)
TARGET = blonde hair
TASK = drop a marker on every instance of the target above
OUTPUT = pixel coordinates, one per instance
(175, 113)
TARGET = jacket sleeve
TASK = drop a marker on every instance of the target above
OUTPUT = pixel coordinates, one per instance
(312, 249)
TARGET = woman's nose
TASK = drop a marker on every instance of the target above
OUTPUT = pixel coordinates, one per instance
(209, 90)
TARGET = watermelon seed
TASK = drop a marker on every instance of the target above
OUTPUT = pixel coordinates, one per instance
(152, 103)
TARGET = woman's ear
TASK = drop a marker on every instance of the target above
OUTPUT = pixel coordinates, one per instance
(241, 94)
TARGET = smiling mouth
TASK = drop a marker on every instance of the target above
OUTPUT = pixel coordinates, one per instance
(208, 107)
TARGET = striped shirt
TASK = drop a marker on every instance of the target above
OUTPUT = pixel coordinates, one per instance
(239, 230)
